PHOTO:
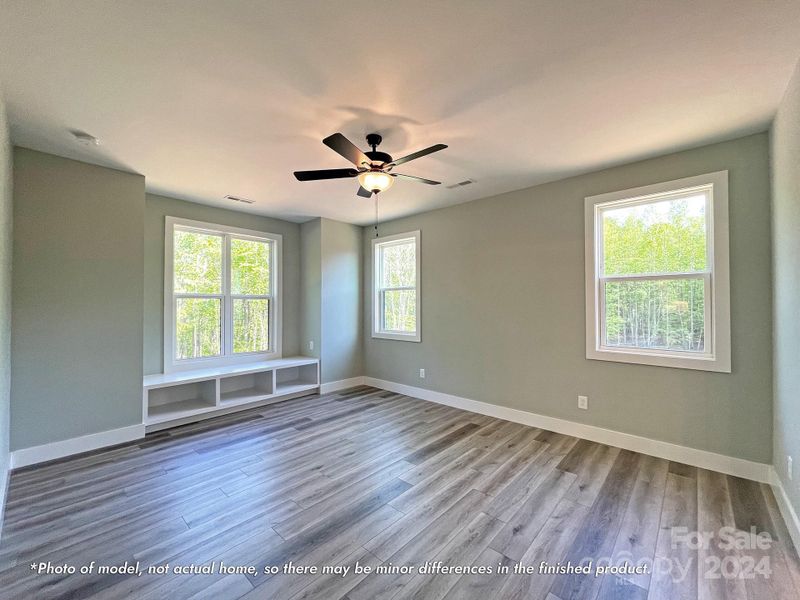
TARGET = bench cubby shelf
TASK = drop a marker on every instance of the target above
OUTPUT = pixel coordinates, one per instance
(177, 398)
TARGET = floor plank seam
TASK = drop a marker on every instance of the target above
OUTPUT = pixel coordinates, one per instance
(317, 480)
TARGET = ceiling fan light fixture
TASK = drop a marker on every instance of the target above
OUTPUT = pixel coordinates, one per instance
(375, 181)
(372, 167)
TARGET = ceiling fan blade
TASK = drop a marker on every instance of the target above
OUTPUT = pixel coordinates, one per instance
(363, 192)
(419, 154)
(338, 143)
(420, 179)
(325, 174)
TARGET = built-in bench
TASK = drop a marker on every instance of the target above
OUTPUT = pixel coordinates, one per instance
(176, 398)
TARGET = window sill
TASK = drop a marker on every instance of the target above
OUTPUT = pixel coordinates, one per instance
(655, 359)
(403, 337)
(213, 362)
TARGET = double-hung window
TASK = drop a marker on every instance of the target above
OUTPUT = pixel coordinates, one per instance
(395, 281)
(222, 300)
(657, 288)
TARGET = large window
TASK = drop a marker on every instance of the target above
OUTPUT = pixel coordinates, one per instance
(396, 300)
(657, 289)
(222, 302)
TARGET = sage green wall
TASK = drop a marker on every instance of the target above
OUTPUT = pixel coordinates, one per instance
(342, 336)
(331, 297)
(502, 310)
(76, 299)
(6, 238)
(159, 207)
(785, 138)
(311, 286)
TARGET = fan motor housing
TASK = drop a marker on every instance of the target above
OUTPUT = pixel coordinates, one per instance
(378, 156)
(374, 139)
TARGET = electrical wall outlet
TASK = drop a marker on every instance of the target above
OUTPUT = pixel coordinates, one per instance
(583, 402)
(310, 344)
(422, 373)
(789, 462)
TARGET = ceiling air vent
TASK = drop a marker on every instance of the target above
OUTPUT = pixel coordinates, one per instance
(461, 184)
(239, 199)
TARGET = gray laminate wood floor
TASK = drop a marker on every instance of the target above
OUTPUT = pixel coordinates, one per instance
(374, 478)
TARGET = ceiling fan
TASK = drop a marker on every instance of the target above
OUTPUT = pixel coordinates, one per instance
(373, 167)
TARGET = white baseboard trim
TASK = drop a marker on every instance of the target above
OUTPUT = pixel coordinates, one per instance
(85, 443)
(691, 456)
(342, 384)
(4, 481)
(787, 510)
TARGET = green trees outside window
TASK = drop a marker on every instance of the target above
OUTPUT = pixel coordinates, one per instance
(655, 274)
(398, 264)
(221, 282)
(197, 269)
(250, 287)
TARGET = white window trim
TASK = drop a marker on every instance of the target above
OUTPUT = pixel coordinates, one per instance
(377, 309)
(717, 280)
(172, 365)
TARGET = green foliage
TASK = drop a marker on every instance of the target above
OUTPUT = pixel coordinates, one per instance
(399, 270)
(400, 310)
(665, 314)
(198, 327)
(666, 237)
(198, 270)
(250, 325)
(198, 263)
(250, 267)
(399, 265)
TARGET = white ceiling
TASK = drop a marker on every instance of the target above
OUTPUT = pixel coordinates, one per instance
(229, 97)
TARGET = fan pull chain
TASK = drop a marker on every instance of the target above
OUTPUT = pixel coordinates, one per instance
(376, 214)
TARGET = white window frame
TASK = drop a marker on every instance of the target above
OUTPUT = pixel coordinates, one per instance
(717, 354)
(378, 291)
(171, 364)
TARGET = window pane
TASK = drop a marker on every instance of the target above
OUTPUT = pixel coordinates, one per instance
(250, 325)
(250, 267)
(198, 327)
(667, 236)
(198, 263)
(663, 314)
(400, 310)
(399, 265)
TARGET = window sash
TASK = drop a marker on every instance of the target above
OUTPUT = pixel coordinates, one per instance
(708, 337)
(382, 294)
(227, 355)
(270, 304)
(601, 279)
(187, 296)
(706, 190)
(382, 271)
